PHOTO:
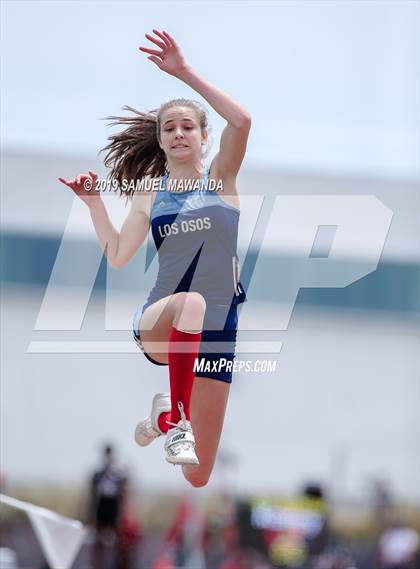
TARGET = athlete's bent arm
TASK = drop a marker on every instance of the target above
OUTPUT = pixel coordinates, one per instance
(119, 247)
(234, 136)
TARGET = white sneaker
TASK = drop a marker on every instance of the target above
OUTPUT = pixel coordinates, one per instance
(148, 429)
(180, 441)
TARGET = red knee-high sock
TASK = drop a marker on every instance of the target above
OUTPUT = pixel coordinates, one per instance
(181, 375)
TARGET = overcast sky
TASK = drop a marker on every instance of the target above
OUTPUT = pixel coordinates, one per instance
(331, 85)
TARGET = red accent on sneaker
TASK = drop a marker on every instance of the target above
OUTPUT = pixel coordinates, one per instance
(162, 424)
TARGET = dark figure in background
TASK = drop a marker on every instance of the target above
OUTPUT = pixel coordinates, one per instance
(318, 542)
(107, 498)
(324, 549)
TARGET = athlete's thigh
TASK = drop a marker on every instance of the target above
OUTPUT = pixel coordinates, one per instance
(208, 405)
(155, 326)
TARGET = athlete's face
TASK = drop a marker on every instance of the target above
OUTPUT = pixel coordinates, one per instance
(181, 135)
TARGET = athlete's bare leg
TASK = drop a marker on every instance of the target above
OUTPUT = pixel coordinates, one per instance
(209, 396)
(208, 405)
(184, 310)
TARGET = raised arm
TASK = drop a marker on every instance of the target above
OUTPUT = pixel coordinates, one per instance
(119, 247)
(235, 135)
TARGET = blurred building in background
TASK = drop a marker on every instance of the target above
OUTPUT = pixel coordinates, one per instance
(348, 353)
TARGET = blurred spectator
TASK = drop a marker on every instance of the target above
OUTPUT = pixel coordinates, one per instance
(317, 542)
(398, 548)
(107, 491)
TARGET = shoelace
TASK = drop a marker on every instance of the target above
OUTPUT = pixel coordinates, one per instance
(184, 425)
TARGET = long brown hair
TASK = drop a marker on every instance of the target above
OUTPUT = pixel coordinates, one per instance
(134, 153)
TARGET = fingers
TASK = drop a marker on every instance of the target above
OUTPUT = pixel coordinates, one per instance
(156, 60)
(155, 41)
(68, 183)
(79, 180)
(151, 51)
(94, 177)
(171, 39)
(162, 37)
(168, 43)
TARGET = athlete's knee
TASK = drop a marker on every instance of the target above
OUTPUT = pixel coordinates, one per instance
(191, 308)
(196, 476)
(195, 302)
(190, 300)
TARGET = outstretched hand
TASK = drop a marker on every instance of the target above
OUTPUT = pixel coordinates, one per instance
(169, 58)
(84, 187)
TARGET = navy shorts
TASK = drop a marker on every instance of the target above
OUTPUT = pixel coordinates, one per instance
(217, 349)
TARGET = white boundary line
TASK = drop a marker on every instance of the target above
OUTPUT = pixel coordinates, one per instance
(67, 347)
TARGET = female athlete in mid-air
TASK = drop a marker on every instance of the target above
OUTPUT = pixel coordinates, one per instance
(189, 320)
